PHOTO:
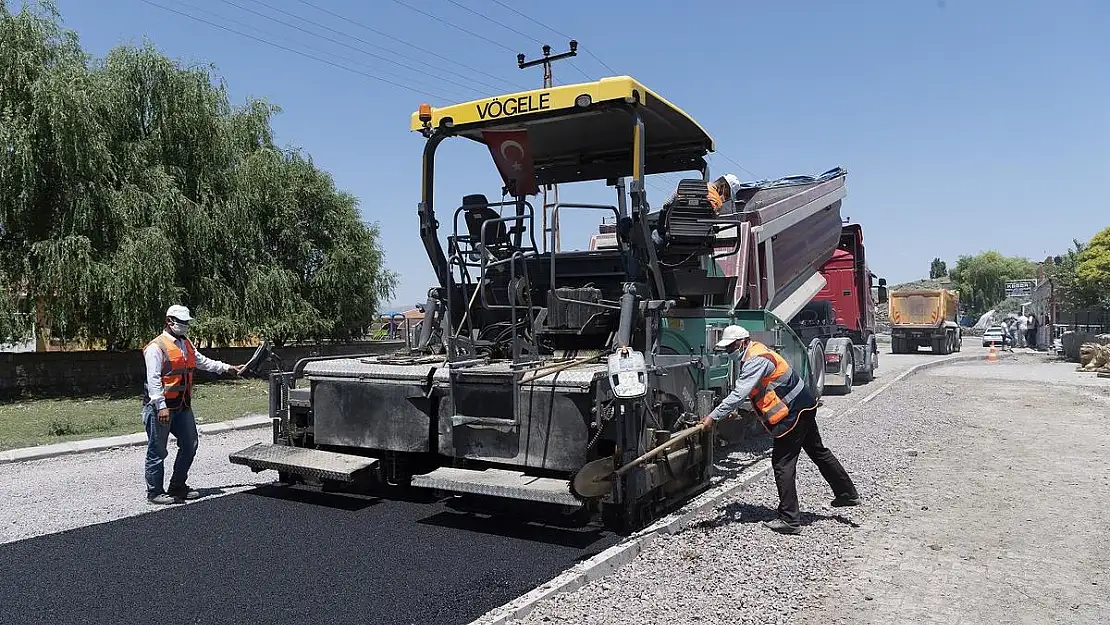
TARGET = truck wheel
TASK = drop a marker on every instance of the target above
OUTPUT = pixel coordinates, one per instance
(898, 346)
(849, 374)
(870, 362)
(816, 355)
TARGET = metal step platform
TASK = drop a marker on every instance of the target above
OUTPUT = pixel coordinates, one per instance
(302, 461)
(499, 483)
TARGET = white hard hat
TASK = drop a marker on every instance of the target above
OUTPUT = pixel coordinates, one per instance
(731, 335)
(178, 312)
(733, 185)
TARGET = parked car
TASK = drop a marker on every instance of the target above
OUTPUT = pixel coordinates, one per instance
(993, 335)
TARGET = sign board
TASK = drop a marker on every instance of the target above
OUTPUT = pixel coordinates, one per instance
(1020, 288)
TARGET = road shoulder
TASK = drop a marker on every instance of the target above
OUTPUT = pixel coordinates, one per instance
(1001, 518)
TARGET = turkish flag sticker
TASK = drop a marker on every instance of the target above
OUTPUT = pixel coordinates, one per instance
(513, 157)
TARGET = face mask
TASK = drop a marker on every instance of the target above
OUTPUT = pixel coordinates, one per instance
(179, 329)
(736, 356)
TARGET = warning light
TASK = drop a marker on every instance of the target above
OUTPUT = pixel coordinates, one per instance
(425, 112)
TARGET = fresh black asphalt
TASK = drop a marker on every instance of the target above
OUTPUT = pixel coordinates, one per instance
(283, 556)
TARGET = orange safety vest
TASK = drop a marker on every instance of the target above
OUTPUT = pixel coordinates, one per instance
(776, 395)
(177, 371)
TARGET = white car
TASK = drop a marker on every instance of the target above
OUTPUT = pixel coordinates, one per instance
(993, 335)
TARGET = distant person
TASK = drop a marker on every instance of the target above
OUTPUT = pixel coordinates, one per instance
(1031, 335)
(1023, 330)
(787, 409)
(1006, 340)
(167, 409)
(722, 193)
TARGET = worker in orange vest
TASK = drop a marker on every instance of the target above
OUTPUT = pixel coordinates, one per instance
(168, 387)
(787, 409)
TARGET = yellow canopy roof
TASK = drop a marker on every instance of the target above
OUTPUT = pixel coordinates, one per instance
(584, 131)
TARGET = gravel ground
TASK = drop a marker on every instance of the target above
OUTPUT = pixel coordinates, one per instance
(1005, 508)
(727, 568)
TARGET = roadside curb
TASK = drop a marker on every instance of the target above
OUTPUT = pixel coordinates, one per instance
(608, 561)
(41, 452)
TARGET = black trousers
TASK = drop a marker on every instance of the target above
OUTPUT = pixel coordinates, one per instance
(784, 459)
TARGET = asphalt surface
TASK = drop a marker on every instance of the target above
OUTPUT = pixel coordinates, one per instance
(80, 546)
(282, 556)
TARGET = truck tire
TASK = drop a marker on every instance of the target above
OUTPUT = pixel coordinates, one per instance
(871, 361)
(849, 373)
(816, 355)
(843, 346)
(940, 345)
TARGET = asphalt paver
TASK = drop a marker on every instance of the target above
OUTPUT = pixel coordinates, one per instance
(285, 556)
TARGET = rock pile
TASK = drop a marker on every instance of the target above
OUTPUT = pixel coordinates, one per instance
(1095, 357)
(1073, 342)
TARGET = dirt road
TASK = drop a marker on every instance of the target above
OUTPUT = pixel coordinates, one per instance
(1002, 516)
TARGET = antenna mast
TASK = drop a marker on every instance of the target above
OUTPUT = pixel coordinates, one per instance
(546, 60)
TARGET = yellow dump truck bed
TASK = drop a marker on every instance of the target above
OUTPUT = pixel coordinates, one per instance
(923, 308)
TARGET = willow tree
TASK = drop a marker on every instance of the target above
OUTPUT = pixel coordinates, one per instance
(130, 182)
(982, 278)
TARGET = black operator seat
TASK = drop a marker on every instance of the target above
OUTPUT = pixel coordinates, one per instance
(477, 211)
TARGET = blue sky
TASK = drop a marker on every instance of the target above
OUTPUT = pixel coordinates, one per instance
(964, 125)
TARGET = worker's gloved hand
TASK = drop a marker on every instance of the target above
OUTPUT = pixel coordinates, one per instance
(164, 415)
(708, 422)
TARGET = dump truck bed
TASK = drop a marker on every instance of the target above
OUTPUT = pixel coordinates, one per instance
(923, 308)
(789, 229)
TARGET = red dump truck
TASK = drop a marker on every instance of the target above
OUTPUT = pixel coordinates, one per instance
(841, 316)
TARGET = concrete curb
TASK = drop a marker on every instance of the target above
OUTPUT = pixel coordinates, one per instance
(41, 452)
(608, 561)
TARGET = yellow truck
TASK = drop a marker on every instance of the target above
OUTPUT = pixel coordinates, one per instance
(925, 317)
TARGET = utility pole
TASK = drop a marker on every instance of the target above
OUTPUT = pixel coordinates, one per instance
(546, 60)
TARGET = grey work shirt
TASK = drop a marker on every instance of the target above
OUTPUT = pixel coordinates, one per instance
(752, 370)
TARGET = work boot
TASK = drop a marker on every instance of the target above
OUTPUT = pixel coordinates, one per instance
(161, 499)
(782, 526)
(845, 501)
(183, 493)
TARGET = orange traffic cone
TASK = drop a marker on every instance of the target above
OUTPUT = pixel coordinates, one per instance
(992, 355)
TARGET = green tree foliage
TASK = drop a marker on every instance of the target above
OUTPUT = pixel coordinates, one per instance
(982, 278)
(130, 182)
(1092, 271)
(937, 269)
(1062, 272)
